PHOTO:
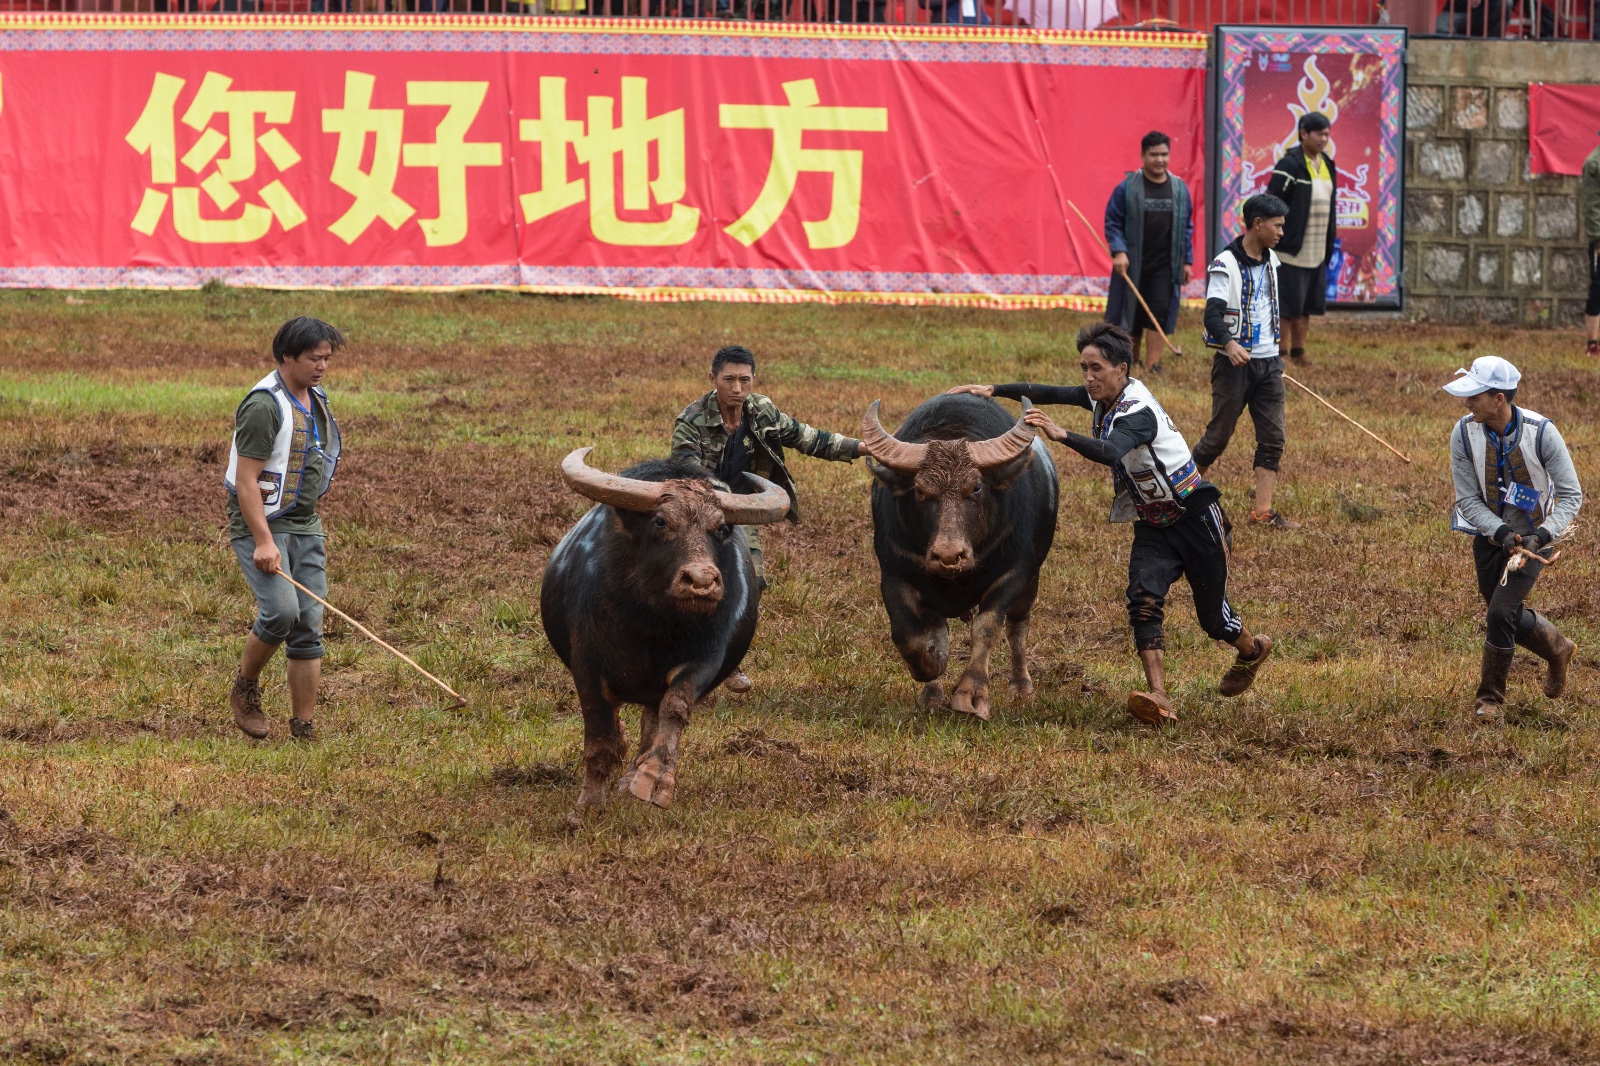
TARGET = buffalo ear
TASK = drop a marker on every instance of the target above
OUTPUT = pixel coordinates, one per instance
(892, 480)
(625, 521)
(1001, 478)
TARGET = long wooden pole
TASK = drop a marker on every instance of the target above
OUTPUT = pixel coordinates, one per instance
(461, 701)
(1140, 296)
(1347, 418)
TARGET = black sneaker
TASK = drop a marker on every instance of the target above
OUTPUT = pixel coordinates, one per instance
(302, 729)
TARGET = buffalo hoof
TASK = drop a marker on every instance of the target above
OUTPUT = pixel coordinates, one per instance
(932, 696)
(1020, 690)
(971, 697)
(651, 782)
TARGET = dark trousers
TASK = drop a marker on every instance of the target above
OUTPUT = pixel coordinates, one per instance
(1591, 306)
(1509, 620)
(1194, 547)
(1257, 385)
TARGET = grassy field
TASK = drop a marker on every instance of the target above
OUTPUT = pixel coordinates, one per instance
(1338, 867)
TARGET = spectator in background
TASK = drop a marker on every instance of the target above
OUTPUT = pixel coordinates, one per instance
(970, 12)
(1306, 180)
(1062, 15)
(1150, 231)
(1590, 191)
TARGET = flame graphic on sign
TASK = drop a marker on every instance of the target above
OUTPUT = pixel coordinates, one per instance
(1316, 94)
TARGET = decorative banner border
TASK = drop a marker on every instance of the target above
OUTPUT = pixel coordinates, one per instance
(1239, 50)
(988, 115)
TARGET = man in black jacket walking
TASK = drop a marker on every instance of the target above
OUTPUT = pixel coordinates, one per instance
(1306, 180)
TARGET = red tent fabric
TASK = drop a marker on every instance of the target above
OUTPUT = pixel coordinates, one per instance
(1563, 126)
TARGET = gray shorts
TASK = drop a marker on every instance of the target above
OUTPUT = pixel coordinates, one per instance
(284, 614)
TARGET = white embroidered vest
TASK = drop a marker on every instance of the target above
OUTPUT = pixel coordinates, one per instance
(1153, 478)
(280, 477)
(1530, 438)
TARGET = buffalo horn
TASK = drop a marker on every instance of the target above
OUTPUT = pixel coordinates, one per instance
(998, 451)
(893, 453)
(768, 505)
(624, 493)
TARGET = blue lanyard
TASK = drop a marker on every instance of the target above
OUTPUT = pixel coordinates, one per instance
(311, 419)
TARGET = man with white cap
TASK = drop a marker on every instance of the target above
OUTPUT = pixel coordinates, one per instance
(1515, 489)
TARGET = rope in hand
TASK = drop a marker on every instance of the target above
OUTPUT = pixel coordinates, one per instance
(1519, 559)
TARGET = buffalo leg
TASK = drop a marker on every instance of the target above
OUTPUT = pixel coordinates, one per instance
(653, 777)
(922, 638)
(971, 695)
(1021, 686)
(605, 743)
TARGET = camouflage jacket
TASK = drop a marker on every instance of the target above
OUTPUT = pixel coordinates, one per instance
(700, 435)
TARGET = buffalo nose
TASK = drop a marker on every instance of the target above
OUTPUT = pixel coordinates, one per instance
(698, 579)
(951, 557)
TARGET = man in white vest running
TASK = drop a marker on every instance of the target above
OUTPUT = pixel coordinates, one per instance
(1177, 525)
(1515, 488)
(285, 448)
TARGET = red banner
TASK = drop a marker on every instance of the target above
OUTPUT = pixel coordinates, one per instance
(1563, 126)
(645, 158)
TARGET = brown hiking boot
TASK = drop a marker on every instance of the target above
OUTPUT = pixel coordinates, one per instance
(739, 681)
(1490, 703)
(1242, 674)
(245, 699)
(302, 729)
(1548, 643)
(1152, 708)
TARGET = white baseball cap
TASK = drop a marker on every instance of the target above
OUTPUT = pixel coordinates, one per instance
(1488, 372)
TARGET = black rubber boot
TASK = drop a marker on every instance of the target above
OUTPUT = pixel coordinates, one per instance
(1491, 700)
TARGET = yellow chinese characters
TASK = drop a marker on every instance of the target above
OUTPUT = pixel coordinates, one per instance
(155, 135)
(449, 154)
(598, 148)
(789, 159)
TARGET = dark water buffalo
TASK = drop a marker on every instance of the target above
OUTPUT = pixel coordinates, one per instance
(651, 599)
(963, 514)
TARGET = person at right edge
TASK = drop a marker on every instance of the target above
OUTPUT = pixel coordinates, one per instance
(1242, 327)
(1590, 189)
(1515, 488)
(1306, 180)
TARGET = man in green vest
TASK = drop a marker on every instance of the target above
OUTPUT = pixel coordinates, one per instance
(285, 448)
(733, 429)
(1150, 231)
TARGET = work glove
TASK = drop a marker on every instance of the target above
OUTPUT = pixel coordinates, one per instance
(1506, 537)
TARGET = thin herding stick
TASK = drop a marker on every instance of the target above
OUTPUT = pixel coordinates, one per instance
(1347, 418)
(1163, 333)
(461, 701)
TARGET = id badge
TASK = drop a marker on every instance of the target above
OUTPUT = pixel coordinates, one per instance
(1255, 335)
(1521, 497)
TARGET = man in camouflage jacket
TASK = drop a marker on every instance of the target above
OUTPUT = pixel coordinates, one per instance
(732, 429)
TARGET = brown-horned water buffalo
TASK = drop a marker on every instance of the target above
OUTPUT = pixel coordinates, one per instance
(963, 515)
(651, 598)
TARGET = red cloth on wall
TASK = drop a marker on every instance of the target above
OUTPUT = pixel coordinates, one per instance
(1563, 126)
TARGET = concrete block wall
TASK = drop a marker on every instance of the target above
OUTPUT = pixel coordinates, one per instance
(1485, 240)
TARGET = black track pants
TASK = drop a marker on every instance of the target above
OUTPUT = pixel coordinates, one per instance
(1192, 548)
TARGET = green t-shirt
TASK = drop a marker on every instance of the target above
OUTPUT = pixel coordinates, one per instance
(255, 430)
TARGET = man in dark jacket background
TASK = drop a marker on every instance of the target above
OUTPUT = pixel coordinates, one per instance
(1150, 231)
(1306, 180)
